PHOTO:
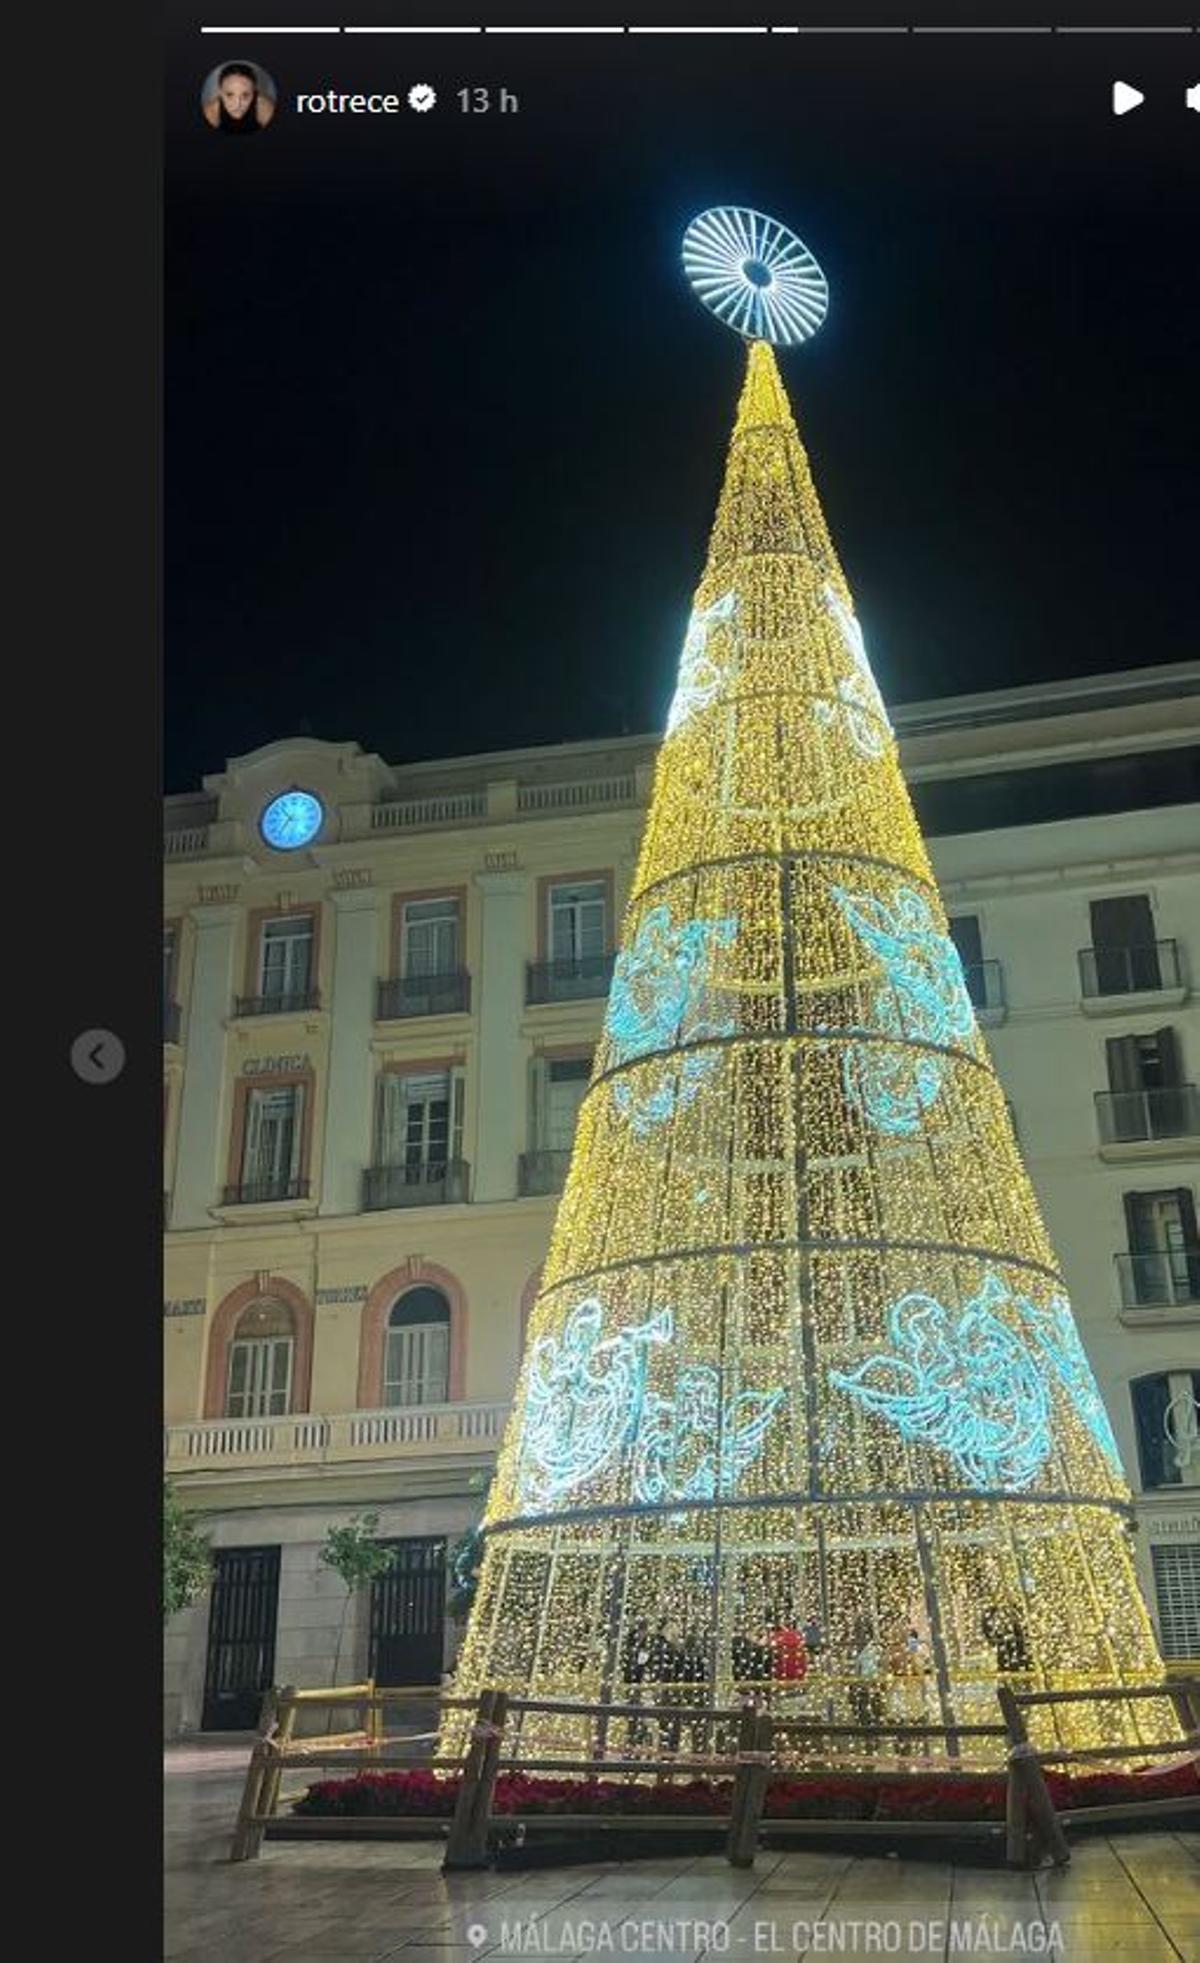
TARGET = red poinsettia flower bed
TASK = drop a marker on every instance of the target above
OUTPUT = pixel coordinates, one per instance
(422, 1793)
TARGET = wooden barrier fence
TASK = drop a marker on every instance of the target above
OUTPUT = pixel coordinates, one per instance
(1032, 1830)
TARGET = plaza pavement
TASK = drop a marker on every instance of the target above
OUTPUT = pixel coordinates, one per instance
(1131, 1898)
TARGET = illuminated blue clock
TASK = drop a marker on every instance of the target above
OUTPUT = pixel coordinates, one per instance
(292, 819)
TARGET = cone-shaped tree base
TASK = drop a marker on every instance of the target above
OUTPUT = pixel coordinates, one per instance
(803, 1400)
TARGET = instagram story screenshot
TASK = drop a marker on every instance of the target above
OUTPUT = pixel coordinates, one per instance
(676, 1098)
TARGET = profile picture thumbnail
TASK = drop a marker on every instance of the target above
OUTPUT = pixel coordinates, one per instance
(238, 98)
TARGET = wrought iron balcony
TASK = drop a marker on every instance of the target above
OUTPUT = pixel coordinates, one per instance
(170, 1022)
(541, 1172)
(1138, 1117)
(1151, 969)
(578, 979)
(260, 1192)
(1165, 1279)
(432, 1183)
(290, 1004)
(422, 995)
(985, 986)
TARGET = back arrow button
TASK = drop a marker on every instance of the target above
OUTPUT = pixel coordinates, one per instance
(97, 1056)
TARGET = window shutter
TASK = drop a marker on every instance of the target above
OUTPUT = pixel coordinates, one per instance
(1124, 1063)
(1177, 1589)
(1137, 1223)
(1125, 921)
(1185, 1200)
(252, 1140)
(964, 932)
(297, 1152)
(458, 1089)
(538, 1085)
(1169, 1057)
(390, 1125)
(1151, 1395)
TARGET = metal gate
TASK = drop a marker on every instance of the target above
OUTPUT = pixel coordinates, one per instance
(241, 1636)
(408, 1615)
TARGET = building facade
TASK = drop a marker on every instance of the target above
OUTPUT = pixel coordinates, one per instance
(382, 987)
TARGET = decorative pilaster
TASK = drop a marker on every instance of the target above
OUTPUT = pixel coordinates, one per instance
(198, 1156)
(351, 1020)
(500, 1128)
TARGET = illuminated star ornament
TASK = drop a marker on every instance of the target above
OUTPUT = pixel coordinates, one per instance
(755, 274)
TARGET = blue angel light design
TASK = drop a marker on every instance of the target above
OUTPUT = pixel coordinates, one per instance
(1054, 1329)
(700, 675)
(859, 705)
(961, 1380)
(583, 1401)
(587, 1402)
(924, 997)
(660, 997)
(690, 1447)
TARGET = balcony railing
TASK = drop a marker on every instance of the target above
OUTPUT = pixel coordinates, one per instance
(432, 1184)
(187, 843)
(170, 1022)
(422, 995)
(309, 1438)
(418, 812)
(294, 1002)
(1162, 1280)
(578, 979)
(578, 796)
(261, 1192)
(1145, 970)
(985, 986)
(541, 1172)
(1132, 1117)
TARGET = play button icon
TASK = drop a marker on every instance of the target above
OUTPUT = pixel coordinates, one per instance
(1125, 98)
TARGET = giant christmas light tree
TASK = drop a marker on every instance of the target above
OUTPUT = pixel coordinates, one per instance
(802, 1353)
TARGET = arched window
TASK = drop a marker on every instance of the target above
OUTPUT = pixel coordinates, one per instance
(261, 1356)
(416, 1359)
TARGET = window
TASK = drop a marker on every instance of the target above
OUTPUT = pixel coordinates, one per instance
(964, 932)
(416, 1362)
(1164, 1247)
(420, 1122)
(259, 1383)
(273, 1139)
(1177, 1593)
(1165, 1409)
(1147, 1095)
(285, 958)
(564, 1084)
(1124, 951)
(429, 938)
(578, 923)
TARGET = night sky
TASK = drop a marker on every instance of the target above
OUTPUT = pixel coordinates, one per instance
(445, 427)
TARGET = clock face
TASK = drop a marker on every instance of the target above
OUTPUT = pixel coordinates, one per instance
(291, 820)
